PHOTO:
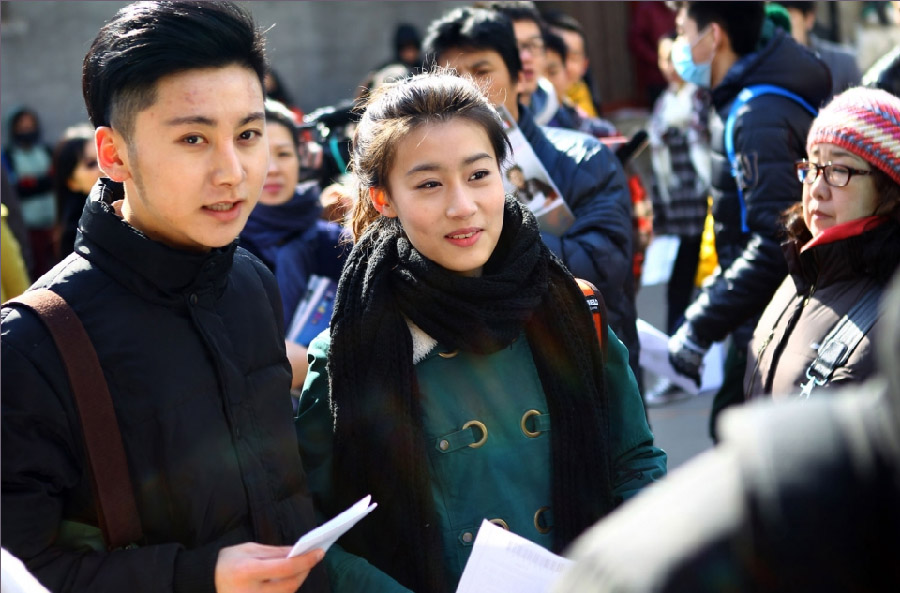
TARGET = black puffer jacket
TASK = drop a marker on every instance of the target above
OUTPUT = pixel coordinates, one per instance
(597, 247)
(770, 134)
(191, 346)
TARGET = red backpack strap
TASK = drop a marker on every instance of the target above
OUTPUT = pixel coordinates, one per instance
(113, 492)
(598, 309)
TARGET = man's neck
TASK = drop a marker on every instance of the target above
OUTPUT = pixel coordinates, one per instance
(721, 64)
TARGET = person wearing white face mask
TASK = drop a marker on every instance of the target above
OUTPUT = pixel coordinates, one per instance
(719, 47)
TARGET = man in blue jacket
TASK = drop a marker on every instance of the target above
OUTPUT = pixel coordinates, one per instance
(597, 247)
(718, 48)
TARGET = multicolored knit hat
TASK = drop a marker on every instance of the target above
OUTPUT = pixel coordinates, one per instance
(865, 122)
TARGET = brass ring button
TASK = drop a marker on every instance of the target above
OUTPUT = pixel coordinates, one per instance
(499, 523)
(480, 426)
(450, 354)
(539, 523)
(529, 433)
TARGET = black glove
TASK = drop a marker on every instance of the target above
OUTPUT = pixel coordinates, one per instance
(686, 352)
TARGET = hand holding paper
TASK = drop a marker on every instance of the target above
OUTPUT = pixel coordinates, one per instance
(326, 534)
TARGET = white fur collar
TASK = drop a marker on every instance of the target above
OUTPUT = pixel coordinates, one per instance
(422, 342)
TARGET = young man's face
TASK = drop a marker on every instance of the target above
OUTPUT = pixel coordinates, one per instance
(576, 60)
(196, 161)
(487, 68)
(531, 52)
(556, 73)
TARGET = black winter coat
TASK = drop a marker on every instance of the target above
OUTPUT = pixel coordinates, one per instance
(597, 247)
(192, 348)
(770, 135)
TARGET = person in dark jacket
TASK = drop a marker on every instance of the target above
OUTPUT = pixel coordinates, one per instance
(187, 328)
(286, 230)
(598, 246)
(844, 245)
(799, 497)
(717, 49)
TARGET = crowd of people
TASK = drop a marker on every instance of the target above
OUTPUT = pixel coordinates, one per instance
(428, 295)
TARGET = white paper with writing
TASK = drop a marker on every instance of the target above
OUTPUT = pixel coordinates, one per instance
(502, 561)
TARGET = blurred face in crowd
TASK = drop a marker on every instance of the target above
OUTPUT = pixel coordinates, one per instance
(194, 163)
(532, 53)
(665, 61)
(556, 73)
(489, 70)
(446, 188)
(576, 60)
(825, 206)
(284, 166)
(86, 172)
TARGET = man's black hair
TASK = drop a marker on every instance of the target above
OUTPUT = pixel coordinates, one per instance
(474, 29)
(804, 7)
(560, 20)
(146, 41)
(742, 21)
(557, 44)
(515, 10)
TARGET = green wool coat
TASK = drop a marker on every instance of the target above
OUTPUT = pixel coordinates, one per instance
(496, 469)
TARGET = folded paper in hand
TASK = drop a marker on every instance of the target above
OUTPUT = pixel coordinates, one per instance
(324, 535)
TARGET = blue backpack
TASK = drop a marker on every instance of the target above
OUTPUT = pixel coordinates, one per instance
(742, 98)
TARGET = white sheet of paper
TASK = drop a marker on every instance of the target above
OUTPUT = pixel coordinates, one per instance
(502, 561)
(326, 534)
(660, 259)
(654, 357)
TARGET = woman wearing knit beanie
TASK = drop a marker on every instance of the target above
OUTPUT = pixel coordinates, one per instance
(843, 246)
(462, 378)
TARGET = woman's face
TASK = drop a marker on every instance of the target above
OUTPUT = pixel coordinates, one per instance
(284, 166)
(445, 186)
(86, 172)
(825, 206)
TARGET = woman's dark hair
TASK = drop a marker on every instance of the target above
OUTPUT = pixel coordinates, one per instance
(278, 113)
(476, 29)
(396, 109)
(888, 192)
(146, 41)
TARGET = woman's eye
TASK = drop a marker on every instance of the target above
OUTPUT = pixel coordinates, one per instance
(192, 139)
(249, 134)
(428, 185)
(480, 174)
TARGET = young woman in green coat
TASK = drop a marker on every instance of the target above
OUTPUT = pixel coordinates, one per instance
(462, 378)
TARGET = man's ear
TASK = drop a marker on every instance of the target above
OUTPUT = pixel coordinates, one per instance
(112, 154)
(720, 38)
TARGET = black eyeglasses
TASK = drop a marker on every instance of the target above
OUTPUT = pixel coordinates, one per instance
(534, 45)
(835, 175)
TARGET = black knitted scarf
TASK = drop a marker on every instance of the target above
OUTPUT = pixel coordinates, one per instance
(379, 446)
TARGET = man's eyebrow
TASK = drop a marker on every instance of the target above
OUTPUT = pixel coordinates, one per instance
(202, 120)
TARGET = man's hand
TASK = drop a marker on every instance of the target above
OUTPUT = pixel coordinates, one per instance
(686, 352)
(251, 568)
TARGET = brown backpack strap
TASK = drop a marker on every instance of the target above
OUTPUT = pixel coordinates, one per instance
(113, 492)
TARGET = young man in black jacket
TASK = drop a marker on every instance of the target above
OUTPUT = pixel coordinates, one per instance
(187, 327)
(718, 48)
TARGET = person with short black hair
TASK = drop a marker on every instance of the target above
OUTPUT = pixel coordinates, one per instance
(187, 328)
(717, 48)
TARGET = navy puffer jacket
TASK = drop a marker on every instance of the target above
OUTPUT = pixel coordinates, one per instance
(597, 247)
(770, 135)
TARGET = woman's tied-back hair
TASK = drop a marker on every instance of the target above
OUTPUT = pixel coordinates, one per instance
(395, 110)
(146, 41)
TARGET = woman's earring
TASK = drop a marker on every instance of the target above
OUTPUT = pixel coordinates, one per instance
(377, 197)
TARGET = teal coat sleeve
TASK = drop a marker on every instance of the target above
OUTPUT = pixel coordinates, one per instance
(346, 572)
(636, 461)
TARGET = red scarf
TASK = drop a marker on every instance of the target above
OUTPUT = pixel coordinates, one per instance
(844, 230)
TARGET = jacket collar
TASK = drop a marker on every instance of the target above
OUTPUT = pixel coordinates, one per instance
(146, 266)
